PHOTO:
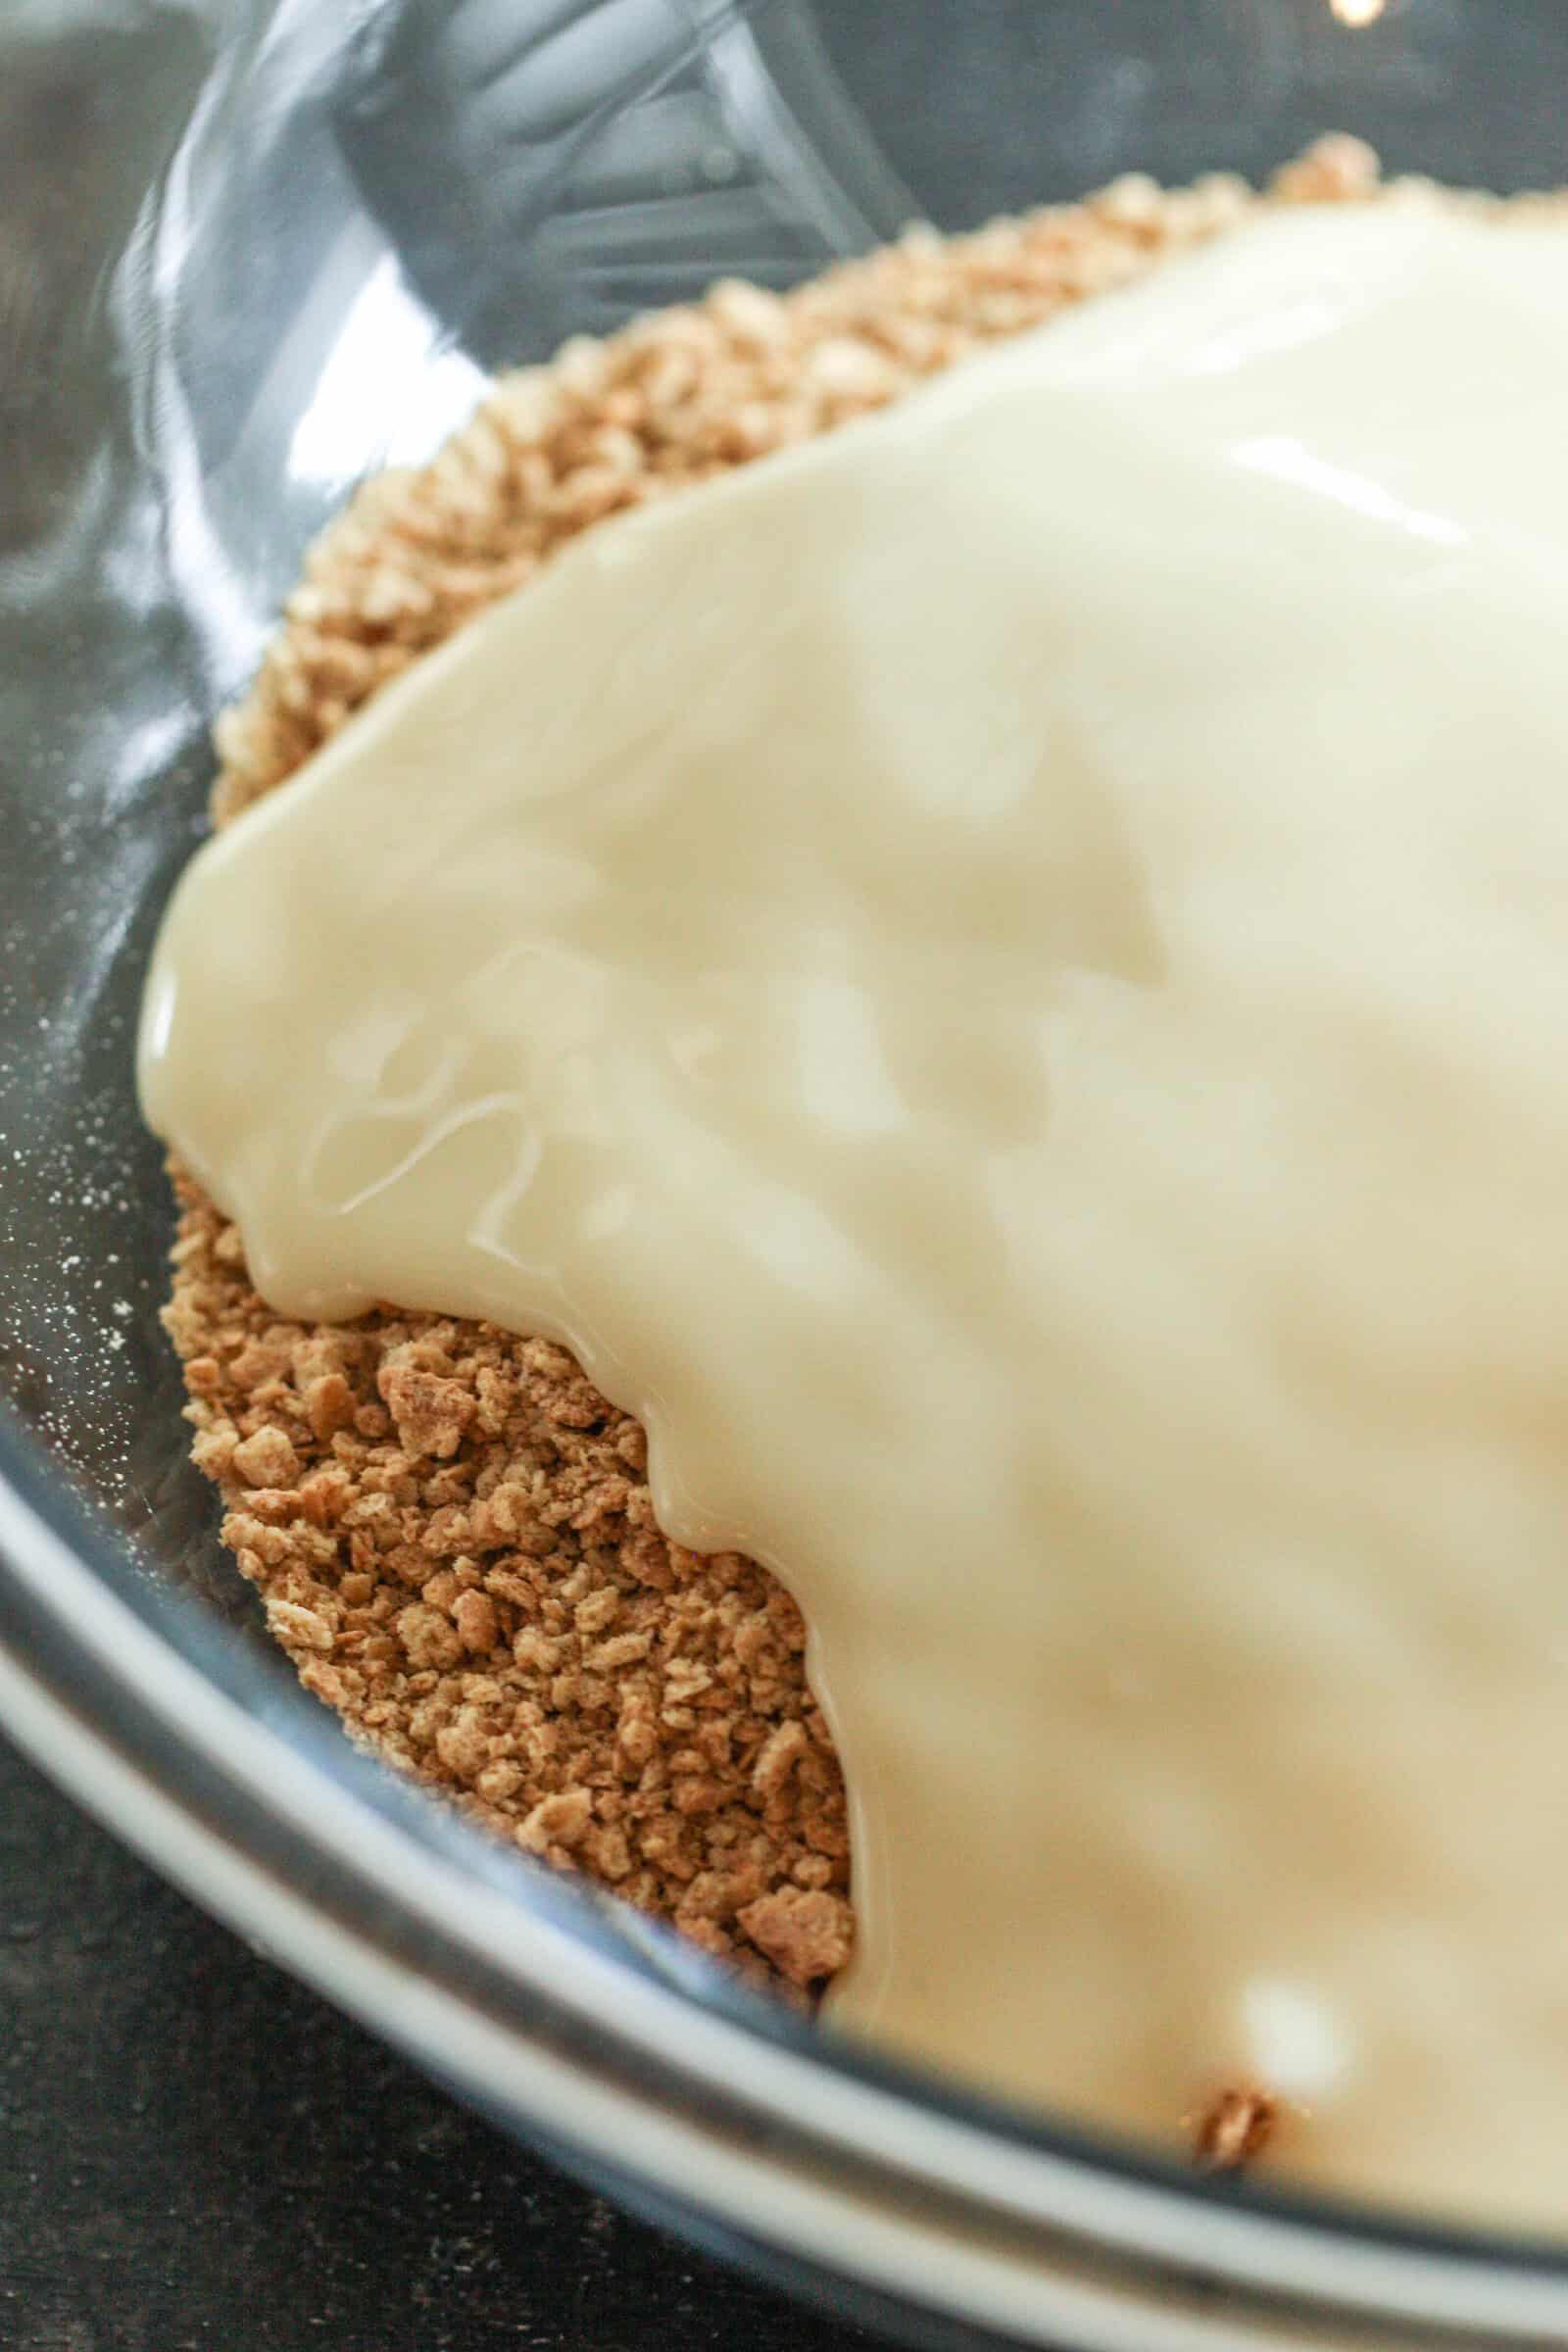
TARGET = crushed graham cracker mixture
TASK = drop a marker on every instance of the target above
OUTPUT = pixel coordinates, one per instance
(451, 1530)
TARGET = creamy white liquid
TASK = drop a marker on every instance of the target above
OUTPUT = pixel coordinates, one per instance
(1002, 979)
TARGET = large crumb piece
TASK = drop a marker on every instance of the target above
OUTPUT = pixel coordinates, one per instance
(1235, 2129)
(455, 1541)
(807, 1933)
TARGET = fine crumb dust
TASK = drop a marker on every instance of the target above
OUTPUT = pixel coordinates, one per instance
(449, 1529)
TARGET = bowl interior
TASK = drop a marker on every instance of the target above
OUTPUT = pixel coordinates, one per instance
(237, 272)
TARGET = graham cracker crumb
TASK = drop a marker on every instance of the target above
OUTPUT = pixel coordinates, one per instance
(1235, 2131)
(1338, 170)
(805, 1934)
(429, 1414)
(451, 1531)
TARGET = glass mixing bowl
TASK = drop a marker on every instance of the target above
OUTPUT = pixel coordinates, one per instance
(248, 253)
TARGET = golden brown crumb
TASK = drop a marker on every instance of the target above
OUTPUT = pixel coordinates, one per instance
(451, 1530)
(1235, 2131)
(1336, 171)
(453, 1538)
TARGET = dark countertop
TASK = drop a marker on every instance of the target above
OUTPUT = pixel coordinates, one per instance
(198, 2155)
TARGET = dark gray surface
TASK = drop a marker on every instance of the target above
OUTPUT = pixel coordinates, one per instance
(197, 2155)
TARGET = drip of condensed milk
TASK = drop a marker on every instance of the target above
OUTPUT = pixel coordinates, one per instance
(1001, 980)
